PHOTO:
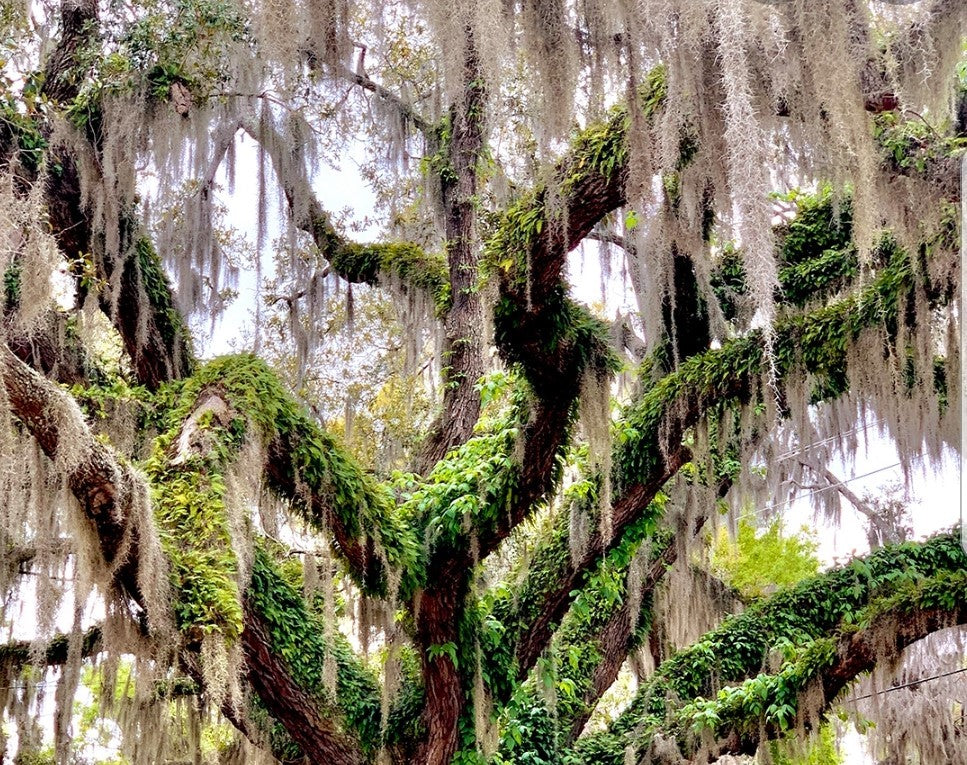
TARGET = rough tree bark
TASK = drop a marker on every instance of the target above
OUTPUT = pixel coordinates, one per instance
(533, 305)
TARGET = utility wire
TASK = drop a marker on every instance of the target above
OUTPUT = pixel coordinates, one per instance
(907, 685)
(892, 688)
(767, 508)
(803, 449)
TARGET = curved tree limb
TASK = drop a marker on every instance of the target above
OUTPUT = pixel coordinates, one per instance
(354, 262)
(105, 489)
(741, 646)
(812, 683)
(102, 485)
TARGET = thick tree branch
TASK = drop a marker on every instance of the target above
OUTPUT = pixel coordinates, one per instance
(463, 322)
(48, 347)
(317, 733)
(441, 603)
(810, 685)
(740, 647)
(104, 488)
(619, 627)
(19, 653)
(143, 310)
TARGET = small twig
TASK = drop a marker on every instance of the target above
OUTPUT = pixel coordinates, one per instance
(367, 83)
(608, 238)
(924, 121)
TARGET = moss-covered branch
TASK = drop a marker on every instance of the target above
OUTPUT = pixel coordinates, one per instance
(307, 467)
(280, 629)
(607, 621)
(789, 621)
(16, 654)
(649, 448)
(798, 695)
(198, 450)
(400, 263)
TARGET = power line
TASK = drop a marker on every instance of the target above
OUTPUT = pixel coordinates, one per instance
(803, 449)
(907, 685)
(776, 505)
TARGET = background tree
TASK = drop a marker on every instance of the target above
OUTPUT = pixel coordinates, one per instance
(478, 606)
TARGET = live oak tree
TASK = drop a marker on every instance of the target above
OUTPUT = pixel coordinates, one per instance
(541, 532)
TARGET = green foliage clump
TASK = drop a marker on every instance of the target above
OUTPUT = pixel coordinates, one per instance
(472, 487)
(756, 563)
(12, 281)
(299, 637)
(188, 496)
(815, 254)
(404, 261)
(819, 750)
(915, 144)
(104, 394)
(193, 522)
(823, 223)
(20, 132)
(565, 331)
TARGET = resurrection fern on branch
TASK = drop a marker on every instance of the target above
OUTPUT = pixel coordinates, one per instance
(446, 502)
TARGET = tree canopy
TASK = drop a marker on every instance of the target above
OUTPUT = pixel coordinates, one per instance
(438, 501)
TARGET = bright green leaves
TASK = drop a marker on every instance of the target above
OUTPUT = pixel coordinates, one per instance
(299, 637)
(914, 144)
(771, 700)
(403, 261)
(22, 130)
(815, 255)
(188, 494)
(822, 223)
(757, 561)
(448, 650)
(189, 506)
(473, 485)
